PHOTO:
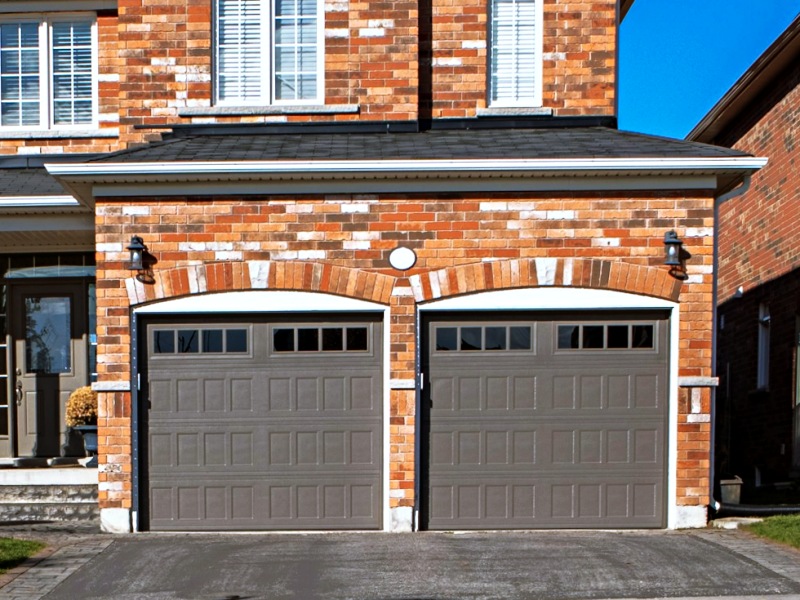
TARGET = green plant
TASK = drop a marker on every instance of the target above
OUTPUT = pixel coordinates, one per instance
(783, 529)
(13, 552)
(82, 407)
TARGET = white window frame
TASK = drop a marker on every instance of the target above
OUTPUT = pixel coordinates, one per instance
(267, 97)
(46, 100)
(534, 101)
(762, 373)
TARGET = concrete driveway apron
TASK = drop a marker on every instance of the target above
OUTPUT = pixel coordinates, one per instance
(436, 566)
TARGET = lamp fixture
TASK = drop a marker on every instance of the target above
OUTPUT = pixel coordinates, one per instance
(137, 250)
(672, 249)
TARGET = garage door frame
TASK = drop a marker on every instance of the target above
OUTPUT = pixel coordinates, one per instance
(568, 299)
(229, 305)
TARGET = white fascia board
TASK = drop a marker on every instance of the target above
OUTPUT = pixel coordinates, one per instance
(26, 202)
(47, 222)
(407, 167)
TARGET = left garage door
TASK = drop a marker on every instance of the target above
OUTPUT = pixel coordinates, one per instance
(263, 425)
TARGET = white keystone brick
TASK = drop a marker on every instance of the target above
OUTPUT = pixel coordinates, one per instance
(546, 270)
(259, 273)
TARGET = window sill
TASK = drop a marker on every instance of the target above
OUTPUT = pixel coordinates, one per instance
(509, 111)
(246, 111)
(44, 134)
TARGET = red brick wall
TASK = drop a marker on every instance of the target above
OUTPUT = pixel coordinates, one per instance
(579, 52)
(760, 231)
(340, 243)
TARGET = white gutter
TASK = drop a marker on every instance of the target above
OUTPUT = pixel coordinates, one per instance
(38, 202)
(410, 166)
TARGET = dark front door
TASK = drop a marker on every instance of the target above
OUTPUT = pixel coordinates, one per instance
(49, 340)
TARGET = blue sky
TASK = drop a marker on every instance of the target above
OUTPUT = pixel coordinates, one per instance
(678, 57)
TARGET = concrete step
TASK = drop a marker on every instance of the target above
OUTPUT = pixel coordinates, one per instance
(48, 494)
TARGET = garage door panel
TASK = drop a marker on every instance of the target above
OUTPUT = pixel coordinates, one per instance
(546, 503)
(552, 438)
(275, 441)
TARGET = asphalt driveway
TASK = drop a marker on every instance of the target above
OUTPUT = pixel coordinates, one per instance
(436, 566)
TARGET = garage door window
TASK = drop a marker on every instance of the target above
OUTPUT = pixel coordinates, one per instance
(320, 339)
(196, 341)
(476, 338)
(612, 336)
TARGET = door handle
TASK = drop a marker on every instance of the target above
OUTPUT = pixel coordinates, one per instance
(19, 393)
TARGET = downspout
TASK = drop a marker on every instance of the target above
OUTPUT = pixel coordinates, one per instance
(714, 505)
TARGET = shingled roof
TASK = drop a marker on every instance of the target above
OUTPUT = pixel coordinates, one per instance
(479, 144)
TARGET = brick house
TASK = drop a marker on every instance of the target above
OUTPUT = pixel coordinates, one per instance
(758, 418)
(401, 271)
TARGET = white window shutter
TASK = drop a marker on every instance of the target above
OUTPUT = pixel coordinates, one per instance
(239, 51)
(515, 67)
(71, 79)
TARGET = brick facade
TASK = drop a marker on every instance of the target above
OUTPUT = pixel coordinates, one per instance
(464, 244)
(759, 264)
(413, 63)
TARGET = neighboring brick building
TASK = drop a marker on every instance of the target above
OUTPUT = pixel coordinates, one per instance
(758, 297)
(401, 271)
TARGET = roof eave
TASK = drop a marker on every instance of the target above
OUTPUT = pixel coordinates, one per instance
(81, 179)
(761, 74)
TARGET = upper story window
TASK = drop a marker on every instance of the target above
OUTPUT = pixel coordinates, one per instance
(515, 58)
(269, 52)
(47, 66)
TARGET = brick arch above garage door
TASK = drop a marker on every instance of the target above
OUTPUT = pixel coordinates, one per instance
(263, 275)
(538, 272)
(432, 285)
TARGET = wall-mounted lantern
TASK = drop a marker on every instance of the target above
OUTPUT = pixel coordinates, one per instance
(137, 250)
(672, 249)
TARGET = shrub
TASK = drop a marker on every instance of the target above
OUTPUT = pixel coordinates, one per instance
(82, 407)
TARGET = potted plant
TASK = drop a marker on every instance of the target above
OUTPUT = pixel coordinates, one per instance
(82, 417)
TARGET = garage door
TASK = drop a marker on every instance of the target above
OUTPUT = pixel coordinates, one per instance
(557, 421)
(264, 425)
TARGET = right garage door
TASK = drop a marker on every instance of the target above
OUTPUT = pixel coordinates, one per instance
(547, 421)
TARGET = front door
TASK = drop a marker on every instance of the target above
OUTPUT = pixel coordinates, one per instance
(49, 340)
